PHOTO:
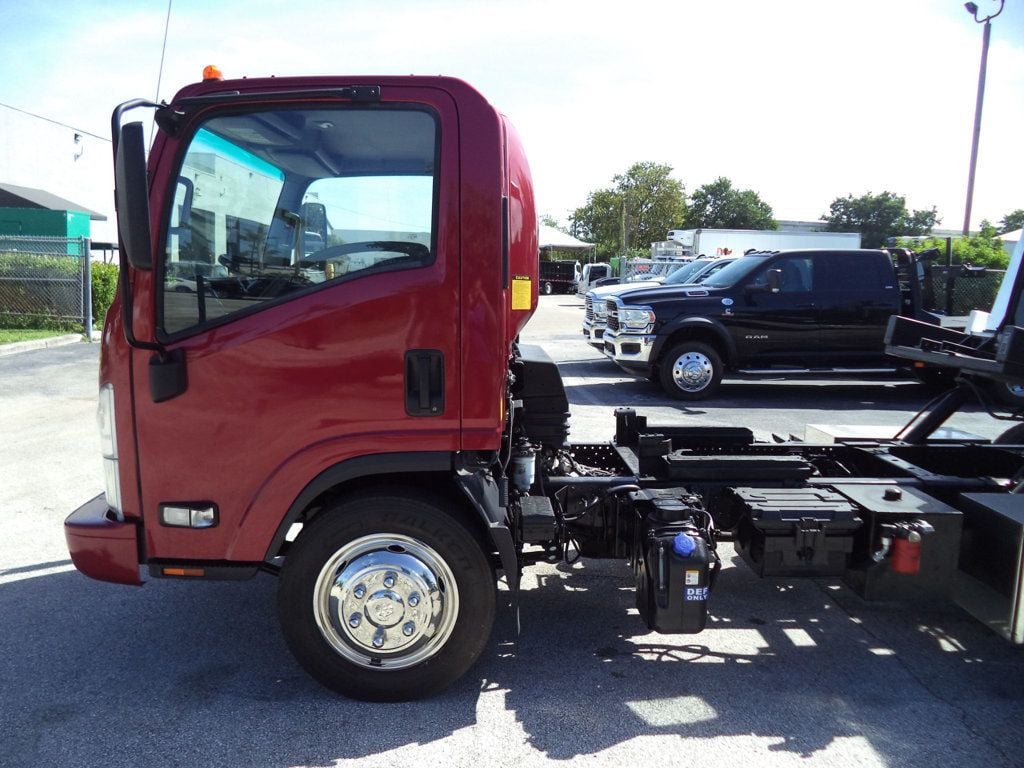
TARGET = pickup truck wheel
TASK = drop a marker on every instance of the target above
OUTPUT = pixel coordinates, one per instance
(386, 598)
(691, 370)
(548, 289)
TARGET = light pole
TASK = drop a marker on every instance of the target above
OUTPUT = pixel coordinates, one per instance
(972, 9)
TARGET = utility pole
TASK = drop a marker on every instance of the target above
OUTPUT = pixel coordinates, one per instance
(972, 8)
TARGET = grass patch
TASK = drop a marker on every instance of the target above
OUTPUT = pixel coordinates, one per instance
(11, 335)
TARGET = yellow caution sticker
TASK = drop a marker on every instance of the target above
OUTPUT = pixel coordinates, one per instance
(522, 292)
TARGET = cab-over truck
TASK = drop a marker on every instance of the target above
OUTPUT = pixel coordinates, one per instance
(348, 408)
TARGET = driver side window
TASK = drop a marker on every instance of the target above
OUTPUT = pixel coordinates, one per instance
(796, 274)
(367, 222)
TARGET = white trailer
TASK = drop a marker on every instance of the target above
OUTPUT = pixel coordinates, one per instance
(736, 242)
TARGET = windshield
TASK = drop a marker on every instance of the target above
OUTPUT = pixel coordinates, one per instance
(733, 273)
(683, 273)
(270, 203)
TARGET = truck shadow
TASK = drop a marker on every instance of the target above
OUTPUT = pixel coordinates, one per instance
(188, 674)
(585, 367)
(180, 674)
(793, 665)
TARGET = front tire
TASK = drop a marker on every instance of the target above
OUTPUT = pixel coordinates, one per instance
(386, 597)
(691, 370)
(548, 289)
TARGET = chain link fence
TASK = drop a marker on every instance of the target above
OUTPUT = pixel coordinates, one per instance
(643, 269)
(45, 283)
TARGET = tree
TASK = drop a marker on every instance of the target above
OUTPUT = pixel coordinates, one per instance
(982, 250)
(1012, 221)
(721, 206)
(921, 223)
(878, 217)
(643, 204)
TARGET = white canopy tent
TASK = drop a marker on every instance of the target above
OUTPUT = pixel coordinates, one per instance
(559, 241)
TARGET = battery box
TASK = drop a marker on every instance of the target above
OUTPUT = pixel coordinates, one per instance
(793, 531)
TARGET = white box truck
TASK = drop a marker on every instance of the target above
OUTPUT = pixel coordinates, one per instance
(736, 242)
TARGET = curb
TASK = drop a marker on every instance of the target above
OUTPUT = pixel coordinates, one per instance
(53, 341)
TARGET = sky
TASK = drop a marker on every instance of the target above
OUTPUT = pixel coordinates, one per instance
(802, 101)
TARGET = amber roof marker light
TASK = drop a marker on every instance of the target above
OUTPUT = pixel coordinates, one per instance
(212, 72)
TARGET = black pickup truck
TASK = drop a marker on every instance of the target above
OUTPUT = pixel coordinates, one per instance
(768, 312)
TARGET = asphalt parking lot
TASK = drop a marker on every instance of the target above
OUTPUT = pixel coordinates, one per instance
(789, 673)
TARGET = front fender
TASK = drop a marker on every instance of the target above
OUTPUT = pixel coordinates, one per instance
(698, 325)
(478, 487)
(267, 530)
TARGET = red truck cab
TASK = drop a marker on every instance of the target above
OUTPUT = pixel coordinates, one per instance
(318, 310)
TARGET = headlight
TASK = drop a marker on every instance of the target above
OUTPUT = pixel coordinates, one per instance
(105, 420)
(108, 446)
(637, 318)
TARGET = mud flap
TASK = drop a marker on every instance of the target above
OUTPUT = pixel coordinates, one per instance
(484, 495)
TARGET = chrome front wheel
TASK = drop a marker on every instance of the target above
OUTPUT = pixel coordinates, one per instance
(691, 371)
(388, 595)
(386, 601)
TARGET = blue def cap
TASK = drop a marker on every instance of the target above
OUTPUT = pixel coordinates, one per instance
(683, 545)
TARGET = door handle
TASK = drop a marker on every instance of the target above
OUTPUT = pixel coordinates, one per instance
(424, 382)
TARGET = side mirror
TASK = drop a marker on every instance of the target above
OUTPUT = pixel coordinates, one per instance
(131, 197)
(314, 218)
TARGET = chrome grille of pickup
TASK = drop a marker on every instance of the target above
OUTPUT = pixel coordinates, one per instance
(589, 307)
(613, 315)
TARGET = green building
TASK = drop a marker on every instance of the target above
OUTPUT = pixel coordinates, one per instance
(27, 212)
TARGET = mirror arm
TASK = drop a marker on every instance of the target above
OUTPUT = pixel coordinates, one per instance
(126, 286)
(119, 110)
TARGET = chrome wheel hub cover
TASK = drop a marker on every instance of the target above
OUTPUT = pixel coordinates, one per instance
(386, 601)
(692, 371)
